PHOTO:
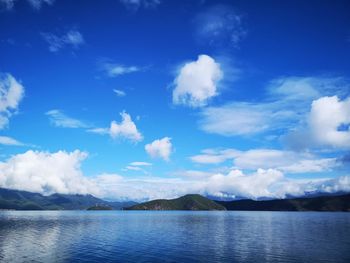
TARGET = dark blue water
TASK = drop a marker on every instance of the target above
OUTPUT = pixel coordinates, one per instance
(133, 236)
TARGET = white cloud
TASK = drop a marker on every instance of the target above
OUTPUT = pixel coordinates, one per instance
(262, 183)
(141, 164)
(305, 89)
(219, 25)
(120, 93)
(193, 174)
(161, 148)
(11, 93)
(327, 115)
(134, 5)
(46, 173)
(285, 161)
(326, 126)
(4, 140)
(60, 172)
(72, 38)
(197, 82)
(115, 70)
(311, 166)
(144, 188)
(259, 184)
(213, 156)
(59, 119)
(285, 107)
(296, 88)
(133, 168)
(242, 118)
(269, 183)
(138, 166)
(126, 129)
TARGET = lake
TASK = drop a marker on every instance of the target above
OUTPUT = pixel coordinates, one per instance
(174, 236)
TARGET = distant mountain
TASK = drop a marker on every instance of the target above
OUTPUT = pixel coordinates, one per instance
(187, 202)
(99, 207)
(23, 200)
(121, 205)
(320, 203)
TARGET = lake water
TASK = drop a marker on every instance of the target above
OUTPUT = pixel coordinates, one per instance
(174, 236)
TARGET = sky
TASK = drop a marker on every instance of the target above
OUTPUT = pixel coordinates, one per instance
(145, 99)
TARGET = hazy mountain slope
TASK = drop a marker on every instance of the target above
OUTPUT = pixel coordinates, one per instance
(22, 200)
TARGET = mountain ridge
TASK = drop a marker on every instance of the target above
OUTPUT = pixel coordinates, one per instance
(23, 200)
(318, 203)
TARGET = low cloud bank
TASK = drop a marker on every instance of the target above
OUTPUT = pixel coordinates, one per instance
(60, 172)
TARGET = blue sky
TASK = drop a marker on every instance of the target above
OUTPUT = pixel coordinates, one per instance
(142, 99)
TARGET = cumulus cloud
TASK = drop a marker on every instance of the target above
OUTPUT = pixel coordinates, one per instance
(264, 183)
(59, 119)
(285, 107)
(4, 140)
(161, 148)
(197, 82)
(326, 126)
(72, 38)
(119, 93)
(285, 161)
(219, 25)
(126, 129)
(46, 173)
(60, 172)
(327, 117)
(11, 93)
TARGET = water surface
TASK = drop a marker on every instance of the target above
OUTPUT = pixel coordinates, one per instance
(173, 236)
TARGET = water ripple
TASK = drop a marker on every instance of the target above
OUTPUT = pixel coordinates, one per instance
(144, 236)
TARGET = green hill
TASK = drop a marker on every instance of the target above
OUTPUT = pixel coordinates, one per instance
(321, 203)
(187, 202)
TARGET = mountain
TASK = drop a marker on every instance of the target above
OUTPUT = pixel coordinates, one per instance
(320, 203)
(187, 202)
(23, 200)
(99, 207)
